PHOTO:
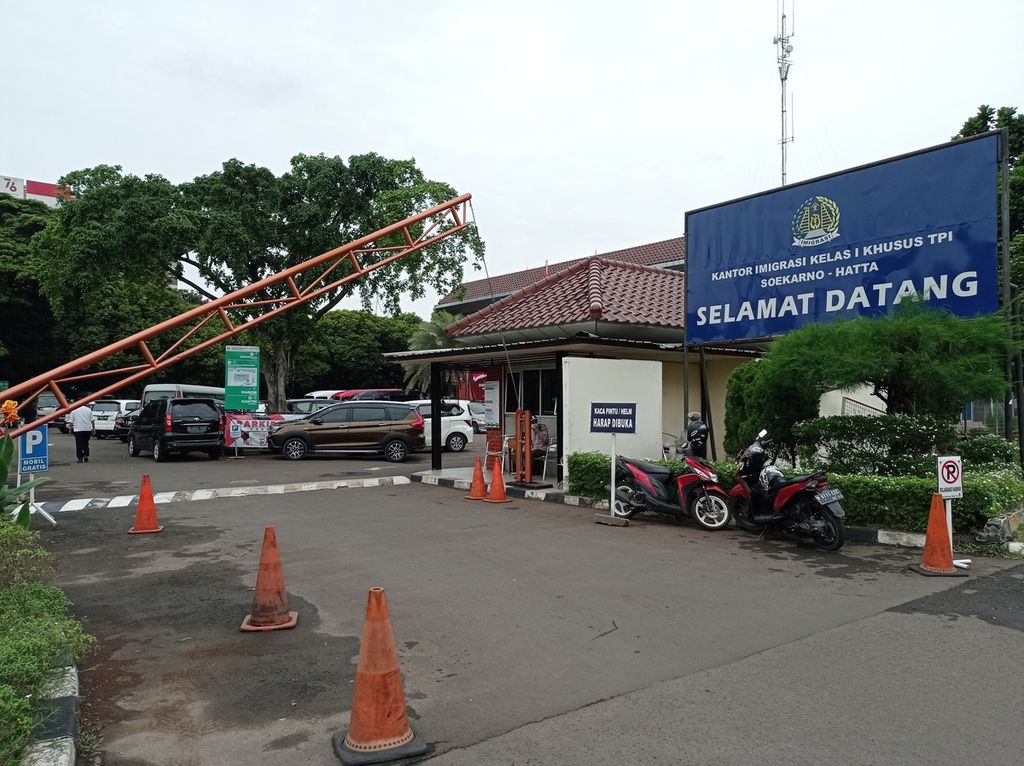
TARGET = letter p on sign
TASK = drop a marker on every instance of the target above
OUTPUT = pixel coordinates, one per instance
(32, 440)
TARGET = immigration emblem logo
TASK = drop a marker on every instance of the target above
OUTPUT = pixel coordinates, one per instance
(815, 222)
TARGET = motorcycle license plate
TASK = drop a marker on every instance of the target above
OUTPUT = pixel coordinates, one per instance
(827, 496)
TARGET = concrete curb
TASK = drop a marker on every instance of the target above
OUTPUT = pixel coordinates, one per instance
(186, 496)
(57, 733)
(856, 534)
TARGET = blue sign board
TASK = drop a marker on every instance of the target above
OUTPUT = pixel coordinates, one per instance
(33, 451)
(613, 417)
(856, 243)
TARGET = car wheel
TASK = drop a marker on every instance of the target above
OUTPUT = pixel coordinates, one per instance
(214, 453)
(159, 453)
(295, 448)
(133, 448)
(456, 442)
(396, 451)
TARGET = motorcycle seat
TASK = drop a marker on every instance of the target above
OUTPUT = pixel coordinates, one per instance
(651, 468)
(802, 478)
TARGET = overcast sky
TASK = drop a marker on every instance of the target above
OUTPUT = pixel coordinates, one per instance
(579, 127)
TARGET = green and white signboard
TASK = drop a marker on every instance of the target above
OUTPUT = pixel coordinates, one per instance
(242, 378)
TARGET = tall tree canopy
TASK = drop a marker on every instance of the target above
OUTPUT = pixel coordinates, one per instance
(224, 230)
(26, 323)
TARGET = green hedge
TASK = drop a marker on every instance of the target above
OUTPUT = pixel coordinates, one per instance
(898, 503)
(36, 635)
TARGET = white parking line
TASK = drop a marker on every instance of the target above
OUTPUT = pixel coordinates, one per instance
(121, 501)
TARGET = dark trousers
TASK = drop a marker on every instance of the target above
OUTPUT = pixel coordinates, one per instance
(82, 444)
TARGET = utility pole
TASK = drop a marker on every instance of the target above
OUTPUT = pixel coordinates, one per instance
(784, 49)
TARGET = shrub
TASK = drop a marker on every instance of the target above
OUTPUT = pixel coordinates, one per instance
(979, 449)
(18, 718)
(887, 445)
(22, 556)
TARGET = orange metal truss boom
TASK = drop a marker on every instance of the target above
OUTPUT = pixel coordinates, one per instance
(438, 222)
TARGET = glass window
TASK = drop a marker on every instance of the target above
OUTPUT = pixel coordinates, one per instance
(335, 415)
(194, 410)
(548, 393)
(398, 413)
(424, 410)
(46, 400)
(369, 414)
(531, 390)
(106, 407)
(134, 404)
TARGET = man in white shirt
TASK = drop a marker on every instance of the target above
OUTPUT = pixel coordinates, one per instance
(82, 426)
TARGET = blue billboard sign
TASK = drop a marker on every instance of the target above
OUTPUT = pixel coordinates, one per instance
(856, 243)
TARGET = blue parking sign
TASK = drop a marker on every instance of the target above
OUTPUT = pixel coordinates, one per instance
(33, 451)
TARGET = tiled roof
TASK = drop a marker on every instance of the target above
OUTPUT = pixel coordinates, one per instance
(653, 254)
(594, 289)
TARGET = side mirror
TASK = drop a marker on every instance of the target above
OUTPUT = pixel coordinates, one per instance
(316, 421)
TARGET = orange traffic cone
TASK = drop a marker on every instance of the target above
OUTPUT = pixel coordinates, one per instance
(497, 494)
(478, 489)
(145, 514)
(378, 729)
(269, 602)
(937, 560)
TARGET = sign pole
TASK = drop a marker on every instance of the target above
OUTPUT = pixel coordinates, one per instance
(611, 495)
(33, 506)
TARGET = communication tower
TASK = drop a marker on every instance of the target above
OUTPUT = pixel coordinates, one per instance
(784, 48)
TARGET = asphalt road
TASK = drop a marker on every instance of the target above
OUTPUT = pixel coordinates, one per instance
(527, 634)
(110, 471)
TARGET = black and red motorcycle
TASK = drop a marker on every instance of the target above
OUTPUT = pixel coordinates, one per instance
(641, 486)
(805, 506)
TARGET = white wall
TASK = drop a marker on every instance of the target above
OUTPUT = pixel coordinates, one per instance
(612, 380)
(832, 402)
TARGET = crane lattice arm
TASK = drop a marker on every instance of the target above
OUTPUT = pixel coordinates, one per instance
(302, 283)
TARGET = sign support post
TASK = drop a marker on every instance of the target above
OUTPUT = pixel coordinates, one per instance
(951, 486)
(612, 418)
(33, 457)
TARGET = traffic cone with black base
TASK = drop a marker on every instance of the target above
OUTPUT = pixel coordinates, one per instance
(269, 602)
(937, 560)
(497, 493)
(145, 514)
(378, 729)
(478, 489)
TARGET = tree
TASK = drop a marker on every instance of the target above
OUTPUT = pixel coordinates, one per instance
(989, 118)
(227, 229)
(346, 350)
(428, 335)
(27, 342)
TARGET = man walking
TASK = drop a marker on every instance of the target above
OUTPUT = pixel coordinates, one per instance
(82, 426)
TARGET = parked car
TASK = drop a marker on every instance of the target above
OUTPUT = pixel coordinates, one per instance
(123, 424)
(456, 423)
(302, 408)
(46, 403)
(376, 395)
(167, 426)
(106, 411)
(479, 415)
(393, 429)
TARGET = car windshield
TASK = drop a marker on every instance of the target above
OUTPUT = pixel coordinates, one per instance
(194, 410)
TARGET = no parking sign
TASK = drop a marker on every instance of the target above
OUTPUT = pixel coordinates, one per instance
(951, 477)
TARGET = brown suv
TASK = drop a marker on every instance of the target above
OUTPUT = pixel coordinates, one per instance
(393, 429)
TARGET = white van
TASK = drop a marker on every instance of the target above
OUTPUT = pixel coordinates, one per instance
(156, 391)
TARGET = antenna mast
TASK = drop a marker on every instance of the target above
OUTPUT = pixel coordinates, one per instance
(784, 49)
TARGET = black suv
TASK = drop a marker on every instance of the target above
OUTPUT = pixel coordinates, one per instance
(166, 426)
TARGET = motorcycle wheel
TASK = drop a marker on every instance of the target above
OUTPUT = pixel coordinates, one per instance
(741, 512)
(832, 533)
(711, 510)
(620, 509)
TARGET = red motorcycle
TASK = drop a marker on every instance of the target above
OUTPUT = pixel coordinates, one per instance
(804, 506)
(696, 494)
